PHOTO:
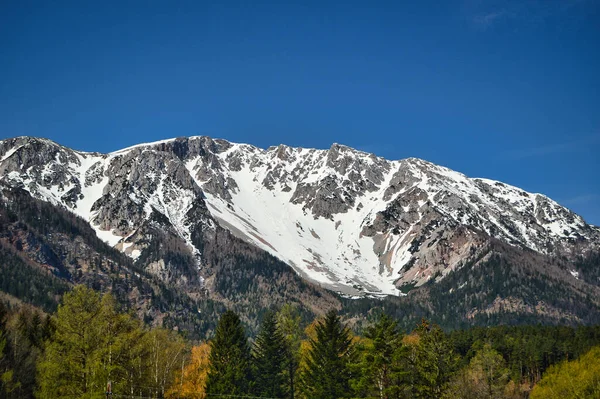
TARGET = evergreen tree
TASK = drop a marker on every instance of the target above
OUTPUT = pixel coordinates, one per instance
(328, 362)
(381, 368)
(269, 357)
(229, 372)
(435, 361)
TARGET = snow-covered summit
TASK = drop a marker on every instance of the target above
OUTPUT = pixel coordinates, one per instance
(347, 219)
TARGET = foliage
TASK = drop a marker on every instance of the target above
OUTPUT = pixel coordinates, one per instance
(327, 371)
(27, 283)
(7, 383)
(166, 355)
(230, 368)
(571, 379)
(269, 357)
(93, 344)
(486, 377)
(84, 351)
(381, 369)
(88, 342)
(527, 350)
(192, 381)
(22, 333)
(288, 321)
(434, 362)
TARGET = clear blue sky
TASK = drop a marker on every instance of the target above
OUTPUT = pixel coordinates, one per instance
(508, 90)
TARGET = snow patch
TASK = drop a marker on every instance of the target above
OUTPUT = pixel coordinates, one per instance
(574, 273)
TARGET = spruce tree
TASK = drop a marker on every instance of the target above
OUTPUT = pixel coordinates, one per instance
(270, 359)
(229, 372)
(435, 363)
(328, 362)
(381, 368)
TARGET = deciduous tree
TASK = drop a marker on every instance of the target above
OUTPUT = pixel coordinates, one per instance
(574, 379)
(192, 381)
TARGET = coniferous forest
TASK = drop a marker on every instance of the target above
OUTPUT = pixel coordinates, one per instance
(88, 342)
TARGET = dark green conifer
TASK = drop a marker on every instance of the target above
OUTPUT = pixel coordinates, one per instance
(229, 372)
(328, 363)
(435, 363)
(382, 374)
(269, 357)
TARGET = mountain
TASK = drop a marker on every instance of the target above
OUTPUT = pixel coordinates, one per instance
(192, 212)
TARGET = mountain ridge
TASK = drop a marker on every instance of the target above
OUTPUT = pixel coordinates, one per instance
(189, 226)
(318, 198)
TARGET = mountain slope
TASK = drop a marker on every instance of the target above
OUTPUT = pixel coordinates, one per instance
(45, 249)
(350, 221)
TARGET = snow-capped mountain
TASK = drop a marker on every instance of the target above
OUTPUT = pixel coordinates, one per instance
(348, 220)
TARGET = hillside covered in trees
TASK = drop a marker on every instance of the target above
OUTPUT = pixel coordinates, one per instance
(88, 342)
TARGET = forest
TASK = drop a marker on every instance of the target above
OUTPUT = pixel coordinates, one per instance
(89, 348)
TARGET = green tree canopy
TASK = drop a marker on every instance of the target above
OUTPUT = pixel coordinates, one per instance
(328, 362)
(229, 372)
(288, 322)
(87, 348)
(486, 377)
(381, 366)
(435, 361)
(269, 358)
(574, 379)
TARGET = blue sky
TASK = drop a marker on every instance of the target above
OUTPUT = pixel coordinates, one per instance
(508, 90)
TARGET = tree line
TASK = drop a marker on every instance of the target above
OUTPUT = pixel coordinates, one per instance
(88, 342)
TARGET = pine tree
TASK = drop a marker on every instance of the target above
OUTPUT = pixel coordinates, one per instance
(328, 362)
(269, 358)
(229, 372)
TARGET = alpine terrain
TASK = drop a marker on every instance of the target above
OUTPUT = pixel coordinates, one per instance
(189, 213)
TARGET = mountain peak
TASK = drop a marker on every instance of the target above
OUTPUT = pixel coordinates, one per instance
(344, 218)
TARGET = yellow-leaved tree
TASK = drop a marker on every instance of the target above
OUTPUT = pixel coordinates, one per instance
(192, 382)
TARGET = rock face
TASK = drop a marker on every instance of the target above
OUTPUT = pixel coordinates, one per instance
(348, 220)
